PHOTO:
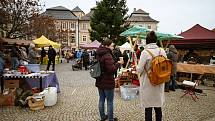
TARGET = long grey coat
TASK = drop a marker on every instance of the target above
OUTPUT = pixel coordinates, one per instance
(150, 96)
(32, 56)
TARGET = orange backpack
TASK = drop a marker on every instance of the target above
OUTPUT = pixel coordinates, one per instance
(161, 69)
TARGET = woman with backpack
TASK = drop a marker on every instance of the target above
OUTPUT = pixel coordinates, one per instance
(105, 82)
(151, 96)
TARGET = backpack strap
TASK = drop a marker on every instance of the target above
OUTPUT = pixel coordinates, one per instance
(145, 65)
(146, 72)
(150, 53)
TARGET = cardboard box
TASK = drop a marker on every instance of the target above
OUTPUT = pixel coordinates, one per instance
(11, 84)
(35, 104)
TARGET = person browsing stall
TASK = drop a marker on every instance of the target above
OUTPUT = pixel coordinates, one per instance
(105, 83)
(151, 97)
(51, 56)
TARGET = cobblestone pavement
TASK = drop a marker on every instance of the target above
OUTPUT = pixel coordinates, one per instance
(78, 101)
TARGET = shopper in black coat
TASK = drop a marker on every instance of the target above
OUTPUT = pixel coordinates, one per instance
(51, 56)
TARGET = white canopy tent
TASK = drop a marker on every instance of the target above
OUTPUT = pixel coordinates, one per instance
(125, 46)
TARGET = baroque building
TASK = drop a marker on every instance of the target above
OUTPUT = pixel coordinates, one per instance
(142, 18)
(73, 25)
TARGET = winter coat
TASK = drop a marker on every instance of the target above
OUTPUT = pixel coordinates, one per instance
(32, 55)
(125, 59)
(85, 57)
(51, 54)
(43, 53)
(108, 68)
(15, 52)
(79, 54)
(117, 53)
(150, 96)
(23, 52)
(173, 55)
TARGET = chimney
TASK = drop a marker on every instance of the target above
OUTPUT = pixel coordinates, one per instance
(134, 9)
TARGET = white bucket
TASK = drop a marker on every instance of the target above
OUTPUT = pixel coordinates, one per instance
(50, 94)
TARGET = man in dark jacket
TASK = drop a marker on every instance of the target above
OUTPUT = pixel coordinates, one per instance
(51, 56)
(42, 54)
(105, 82)
(86, 60)
(117, 53)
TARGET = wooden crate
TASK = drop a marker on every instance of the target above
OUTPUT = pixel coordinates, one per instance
(11, 84)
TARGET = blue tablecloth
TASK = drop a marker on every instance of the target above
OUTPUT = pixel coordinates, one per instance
(48, 80)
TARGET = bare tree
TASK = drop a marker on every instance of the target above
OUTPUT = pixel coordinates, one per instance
(20, 18)
(42, 25)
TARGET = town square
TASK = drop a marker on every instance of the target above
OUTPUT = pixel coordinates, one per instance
(107, 60)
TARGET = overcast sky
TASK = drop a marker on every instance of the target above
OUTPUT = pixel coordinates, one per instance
(174, 16)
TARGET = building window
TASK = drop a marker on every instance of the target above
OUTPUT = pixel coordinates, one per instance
(72, 38)
(67, 25)
(64, 25)
(84, 26)
(72, 25)
(149, 27)
(84, 39)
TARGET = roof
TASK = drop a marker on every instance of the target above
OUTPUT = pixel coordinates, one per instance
(140, 11)
(57, 8)
(94, 44)
(198, 32)
(17, 41)
(77, 9)
(196, 37)
(87, 16)
(197, 44)
(141, 19)
(60, 13)
(141, 16)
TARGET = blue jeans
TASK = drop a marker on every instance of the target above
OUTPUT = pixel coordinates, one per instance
(173, 84)
(109, 95)
(1, 65)
(15, 63)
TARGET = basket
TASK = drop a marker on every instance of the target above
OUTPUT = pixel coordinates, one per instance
(35, 105)
(33, 67)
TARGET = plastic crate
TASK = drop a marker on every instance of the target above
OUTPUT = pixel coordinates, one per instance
(33, 67)
(129, 92)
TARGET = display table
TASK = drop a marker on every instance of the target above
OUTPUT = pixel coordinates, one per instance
(34, 80)
(195, 68)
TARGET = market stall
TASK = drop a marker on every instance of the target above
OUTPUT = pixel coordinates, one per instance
(28, 86)
(125, 46)
(191, 69)
(135, 35)
(44, 42)
(41, 80)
